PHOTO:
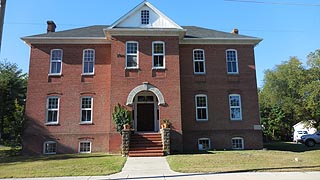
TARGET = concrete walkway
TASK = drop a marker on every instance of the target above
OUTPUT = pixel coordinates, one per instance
(156, 168)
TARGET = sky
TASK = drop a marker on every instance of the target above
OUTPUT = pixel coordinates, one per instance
(287, 27)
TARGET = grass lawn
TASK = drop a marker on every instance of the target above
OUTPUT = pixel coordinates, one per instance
(58, 165)
(280, 157)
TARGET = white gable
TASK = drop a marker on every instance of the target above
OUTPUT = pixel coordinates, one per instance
(156, 19)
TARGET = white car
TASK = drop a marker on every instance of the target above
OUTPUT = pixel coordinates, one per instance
(311, 139)
(297, 135)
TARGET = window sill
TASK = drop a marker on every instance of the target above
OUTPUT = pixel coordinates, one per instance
(202, 120)
(49, 153)
(86, 123)
(235, 120)
(87, 74)
(85, 152)
(52, 124)
(159, 68)
(233, 74)
(55, 74)
(132, 68)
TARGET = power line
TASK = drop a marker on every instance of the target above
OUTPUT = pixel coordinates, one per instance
(277, 3)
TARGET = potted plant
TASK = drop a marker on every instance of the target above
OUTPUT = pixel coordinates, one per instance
(165, 123)
(122, 117)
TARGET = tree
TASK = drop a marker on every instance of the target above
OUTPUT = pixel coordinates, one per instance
(12, 101)
(290, 94)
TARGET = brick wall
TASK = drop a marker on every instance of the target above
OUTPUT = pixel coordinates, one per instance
(217, 85)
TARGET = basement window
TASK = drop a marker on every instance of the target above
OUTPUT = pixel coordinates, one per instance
(84, 147)
(49, 147)
(203, 144)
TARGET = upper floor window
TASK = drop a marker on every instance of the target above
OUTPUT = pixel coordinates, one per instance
(144, 17)
(132, 59)
(201, 107)
(199, 61)
(49, 147)
(158, 54)
(235, 107)
(56, 62)
(52, 113)
(86, 109)
(232, 61)
(237, 143)
(88, 61)
(204, 144)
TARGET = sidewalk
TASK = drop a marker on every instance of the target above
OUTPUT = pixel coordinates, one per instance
(156, 168)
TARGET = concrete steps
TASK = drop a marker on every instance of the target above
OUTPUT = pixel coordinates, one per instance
(145, 145)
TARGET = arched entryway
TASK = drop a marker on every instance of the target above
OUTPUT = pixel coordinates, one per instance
(145, 100)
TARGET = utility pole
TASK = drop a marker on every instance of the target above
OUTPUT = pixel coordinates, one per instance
(2, 10)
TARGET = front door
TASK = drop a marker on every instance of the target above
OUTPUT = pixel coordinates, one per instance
(145, 117)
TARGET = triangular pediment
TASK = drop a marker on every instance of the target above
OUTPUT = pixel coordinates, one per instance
(145, 15)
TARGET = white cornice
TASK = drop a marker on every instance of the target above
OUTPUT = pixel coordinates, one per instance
(65, 40)
(144, 32)
(244, 41)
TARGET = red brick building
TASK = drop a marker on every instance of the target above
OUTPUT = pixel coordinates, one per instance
(200, 79)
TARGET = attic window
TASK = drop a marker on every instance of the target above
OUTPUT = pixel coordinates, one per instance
(144, 17)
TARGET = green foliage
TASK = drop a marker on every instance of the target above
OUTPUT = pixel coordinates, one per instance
(121, 116)
(291, 93)
(12, 100)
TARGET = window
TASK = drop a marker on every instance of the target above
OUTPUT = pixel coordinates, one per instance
(235, 107)
(88, 61)
(158, 54)
(199, 61)
(56, 62)
(52, 110)
(144, 17)
(232, 61)
(204, 144)
(84, 147)
(237, 143)
(86, 110)
(132, 55)
(201, 108)
(49, 147)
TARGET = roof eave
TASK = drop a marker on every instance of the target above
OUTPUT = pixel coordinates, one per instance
(65, 40)
(244, 41)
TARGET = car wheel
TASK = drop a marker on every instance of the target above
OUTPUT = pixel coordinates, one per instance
(310, 143)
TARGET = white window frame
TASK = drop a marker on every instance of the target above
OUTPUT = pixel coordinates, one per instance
(132, 54)
(199, 60)
(86, 109)
(145, 17)
(86, 60)
(52, 109)
(236, 61)
(242, 143)
(84, 152)
(55, 61)
(204, 139)
(159, 54)
(49, 142)
(239, 106)
(206, 107)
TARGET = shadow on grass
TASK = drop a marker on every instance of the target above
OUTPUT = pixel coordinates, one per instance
(289, 146)
(6, 156)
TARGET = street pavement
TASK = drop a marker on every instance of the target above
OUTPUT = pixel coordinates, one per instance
(156, 168)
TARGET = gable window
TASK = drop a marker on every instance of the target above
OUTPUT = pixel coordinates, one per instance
(49, 147)
(55, 62)
(201, 107)
(86, 109)
(132, 54)
(52, 112)
(199, 61)
(232, 61)
(235, 107)
(88, 61)
(158, 54)
(144, 17)
(204, 144)
(237, 143)
(84, 147)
